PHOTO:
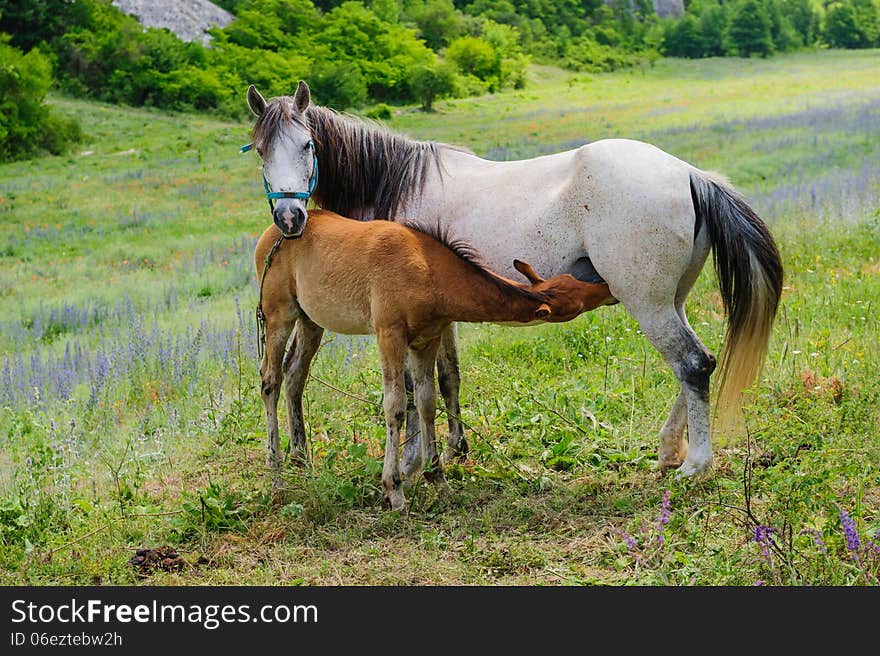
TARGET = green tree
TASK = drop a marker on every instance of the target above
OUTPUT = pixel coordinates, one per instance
(27, 125)
(804, 17)
(714, 18)
(683, 38)
(384, 53)
(845, 27)
(748, 32)
(785, 36)
(438, 23)
(432, 82)
(868, 19)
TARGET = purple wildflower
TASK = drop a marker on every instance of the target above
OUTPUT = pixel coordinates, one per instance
(849, 528)
(665, 509)
(817, 538)
(763, 536)
(760, 582)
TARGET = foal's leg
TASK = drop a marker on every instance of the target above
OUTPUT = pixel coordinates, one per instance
(412, 461)
(422, 367)
(392, 352)
(278, 329)
(306, 341)
(450, 382)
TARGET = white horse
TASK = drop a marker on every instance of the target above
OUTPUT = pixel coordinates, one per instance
(616, 210)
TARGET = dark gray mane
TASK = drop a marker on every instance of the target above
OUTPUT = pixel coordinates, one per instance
(365, 168)
(469, 254)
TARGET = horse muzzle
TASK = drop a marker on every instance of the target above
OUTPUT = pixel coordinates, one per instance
(290, 218)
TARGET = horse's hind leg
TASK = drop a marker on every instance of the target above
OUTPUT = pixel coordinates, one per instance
(392, 353)
(673, 444)
(278, 329)
(692, 364)
(450, 382)
(306, 341)
(425, 395)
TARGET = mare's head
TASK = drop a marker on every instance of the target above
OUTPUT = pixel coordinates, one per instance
(568, 296)
(283, 139)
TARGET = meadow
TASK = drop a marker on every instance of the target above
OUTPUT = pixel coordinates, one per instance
(130, 413)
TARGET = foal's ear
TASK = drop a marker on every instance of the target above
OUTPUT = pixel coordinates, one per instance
(303, 97)
(543, 311)
(255, 101)
(526, 269)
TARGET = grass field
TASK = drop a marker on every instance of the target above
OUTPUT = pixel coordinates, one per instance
(130, 414)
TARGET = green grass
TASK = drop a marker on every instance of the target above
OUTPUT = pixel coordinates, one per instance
(139, 248)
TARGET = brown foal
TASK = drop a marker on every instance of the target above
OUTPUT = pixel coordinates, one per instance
(403, 285)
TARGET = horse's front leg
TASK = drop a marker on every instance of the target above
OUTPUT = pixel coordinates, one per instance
(307, 339)
(392, 352)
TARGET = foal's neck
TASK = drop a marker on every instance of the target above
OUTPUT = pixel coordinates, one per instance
(481, 296)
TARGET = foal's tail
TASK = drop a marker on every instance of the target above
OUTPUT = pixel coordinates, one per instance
(750, 277)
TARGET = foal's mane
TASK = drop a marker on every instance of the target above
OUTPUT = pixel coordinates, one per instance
(365, 167)
(471, 257)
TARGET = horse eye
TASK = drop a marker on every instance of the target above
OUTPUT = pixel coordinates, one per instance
(308, 146)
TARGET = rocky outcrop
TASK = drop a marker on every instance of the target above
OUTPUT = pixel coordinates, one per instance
(188, 19)
(664, 8)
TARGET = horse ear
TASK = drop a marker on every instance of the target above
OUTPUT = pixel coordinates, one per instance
(255, 101)
(526, 269)
(303, 97)
(543, 311)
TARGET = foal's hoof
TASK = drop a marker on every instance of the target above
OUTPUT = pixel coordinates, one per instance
(666, 466)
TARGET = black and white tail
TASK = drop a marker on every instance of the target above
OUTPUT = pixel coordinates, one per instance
(750, 277)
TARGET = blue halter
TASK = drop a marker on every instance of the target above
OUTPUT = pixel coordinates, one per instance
(271, 196)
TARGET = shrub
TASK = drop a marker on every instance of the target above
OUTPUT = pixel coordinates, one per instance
(474, 56)
(27, 125)
(337, 84)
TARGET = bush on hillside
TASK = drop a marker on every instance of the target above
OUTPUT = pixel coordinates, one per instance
(27, 125)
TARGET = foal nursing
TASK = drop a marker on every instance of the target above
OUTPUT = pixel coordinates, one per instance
(405, 287)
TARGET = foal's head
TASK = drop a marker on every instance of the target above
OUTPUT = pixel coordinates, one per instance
(282, 137)
(568, 296)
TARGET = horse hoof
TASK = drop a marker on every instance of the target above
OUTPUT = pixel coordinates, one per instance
(395, 500)
(692, 469)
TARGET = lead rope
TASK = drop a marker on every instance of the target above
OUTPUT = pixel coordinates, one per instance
(261, 318)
